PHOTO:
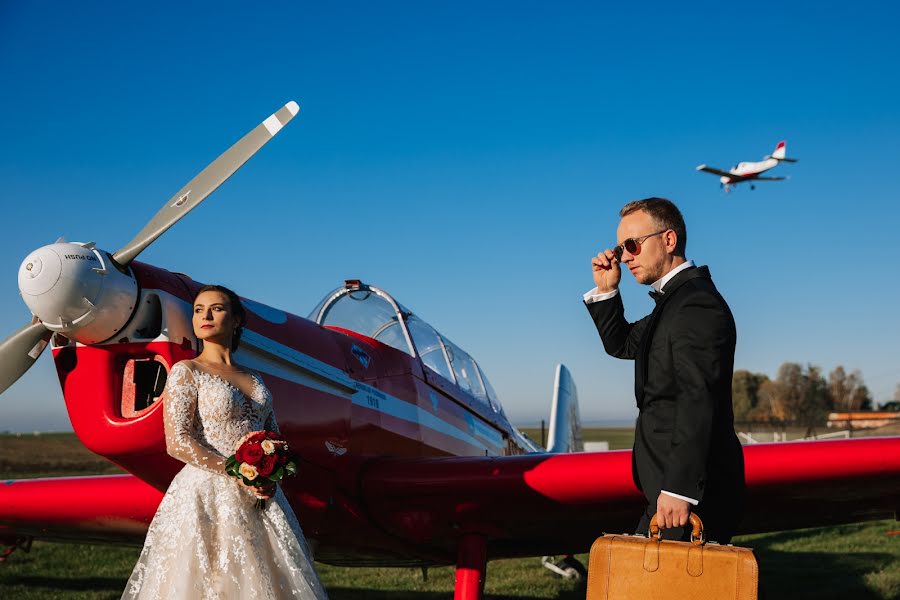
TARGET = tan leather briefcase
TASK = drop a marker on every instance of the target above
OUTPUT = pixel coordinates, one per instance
(626, 567)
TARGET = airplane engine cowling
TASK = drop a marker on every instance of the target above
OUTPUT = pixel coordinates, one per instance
(76, 290)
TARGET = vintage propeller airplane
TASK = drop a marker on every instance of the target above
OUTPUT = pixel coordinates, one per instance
(409, 458)
(751, 171)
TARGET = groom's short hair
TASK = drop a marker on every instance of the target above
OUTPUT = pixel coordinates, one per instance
(665, 214)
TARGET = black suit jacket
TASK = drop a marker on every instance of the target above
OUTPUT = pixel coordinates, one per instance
(683, 356)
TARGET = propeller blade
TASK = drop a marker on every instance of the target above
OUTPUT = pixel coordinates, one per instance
(206, 182)
(19, 351)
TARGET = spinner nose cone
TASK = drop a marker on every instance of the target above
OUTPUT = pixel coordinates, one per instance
(39, 272)
(56, 280)
(70, 289)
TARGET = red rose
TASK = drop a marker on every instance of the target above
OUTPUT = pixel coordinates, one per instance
(249, 453)
(266, 465)
(257, 437)
(274, 436)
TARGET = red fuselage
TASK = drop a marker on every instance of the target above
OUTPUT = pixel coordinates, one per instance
(341, 399)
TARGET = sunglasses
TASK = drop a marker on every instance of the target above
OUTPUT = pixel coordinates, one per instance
(633, 245)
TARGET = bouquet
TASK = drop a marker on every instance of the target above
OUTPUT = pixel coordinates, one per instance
(261, 459)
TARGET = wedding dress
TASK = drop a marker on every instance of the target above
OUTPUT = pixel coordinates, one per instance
(208, 540)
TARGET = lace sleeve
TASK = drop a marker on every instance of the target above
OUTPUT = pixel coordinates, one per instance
(180, 413)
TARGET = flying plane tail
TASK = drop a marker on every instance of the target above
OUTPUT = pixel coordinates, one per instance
(565, 422)
(780, 151)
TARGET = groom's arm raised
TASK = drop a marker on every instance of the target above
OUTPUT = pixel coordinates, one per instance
(620, 338)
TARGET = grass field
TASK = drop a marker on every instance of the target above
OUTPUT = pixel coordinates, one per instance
(619, 438)
(848, 562)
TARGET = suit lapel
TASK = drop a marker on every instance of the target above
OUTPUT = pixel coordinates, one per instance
(668, 292)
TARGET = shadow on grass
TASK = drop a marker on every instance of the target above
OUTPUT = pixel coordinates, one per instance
(339, 593)
(66, 584)
(798, 575)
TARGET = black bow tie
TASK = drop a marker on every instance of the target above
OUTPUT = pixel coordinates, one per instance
(655, 295)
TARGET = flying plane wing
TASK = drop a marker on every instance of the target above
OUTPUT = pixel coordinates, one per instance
(526, 505)
(720, 172)
(769, 178)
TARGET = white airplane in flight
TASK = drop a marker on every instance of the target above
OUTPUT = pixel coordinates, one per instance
(751, 171)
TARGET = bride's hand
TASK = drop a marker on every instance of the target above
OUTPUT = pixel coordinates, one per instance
(266, 493)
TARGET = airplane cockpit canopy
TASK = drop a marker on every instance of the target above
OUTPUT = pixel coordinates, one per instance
(372, 312)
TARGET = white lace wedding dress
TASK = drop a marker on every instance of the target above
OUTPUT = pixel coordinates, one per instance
(208, 540)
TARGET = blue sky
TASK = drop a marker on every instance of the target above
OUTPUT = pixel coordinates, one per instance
(470, 158)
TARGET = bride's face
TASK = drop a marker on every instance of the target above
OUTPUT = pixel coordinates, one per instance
(213, 319)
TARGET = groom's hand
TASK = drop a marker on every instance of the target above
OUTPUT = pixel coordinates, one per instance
(671, 511)
(607, 272)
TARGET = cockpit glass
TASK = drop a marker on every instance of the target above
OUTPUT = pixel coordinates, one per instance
(373, 313)
(428, 345)
(369, 314)
(491, 394)
(466, 371)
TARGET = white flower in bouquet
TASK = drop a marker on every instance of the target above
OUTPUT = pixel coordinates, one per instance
(248, 471)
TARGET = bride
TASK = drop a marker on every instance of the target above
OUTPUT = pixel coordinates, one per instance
(208, 539)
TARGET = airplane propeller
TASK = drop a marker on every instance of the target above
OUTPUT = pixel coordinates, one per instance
(59, 282)
(206, 182)
(19, 351)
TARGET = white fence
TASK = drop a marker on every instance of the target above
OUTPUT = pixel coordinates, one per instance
(782, 436)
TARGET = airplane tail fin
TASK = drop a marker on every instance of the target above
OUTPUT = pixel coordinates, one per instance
(565, 422)
(780, 151)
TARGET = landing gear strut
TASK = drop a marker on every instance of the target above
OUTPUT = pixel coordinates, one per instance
(471, 565)
(568, 567)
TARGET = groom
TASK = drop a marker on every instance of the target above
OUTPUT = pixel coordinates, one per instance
(686, 455)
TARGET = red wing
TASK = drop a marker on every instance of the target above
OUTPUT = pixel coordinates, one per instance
(558, 503)
(109, 508)
(527, 505)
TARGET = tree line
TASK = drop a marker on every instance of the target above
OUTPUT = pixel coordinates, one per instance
(800, 394)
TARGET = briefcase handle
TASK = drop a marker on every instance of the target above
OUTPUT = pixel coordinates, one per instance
(696, 535)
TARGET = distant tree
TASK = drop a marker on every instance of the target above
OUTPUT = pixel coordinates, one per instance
(893, 406)
(801, 395)
(745, 393)
(837, 388)
(848, 392)
(814, 405)
(770, 402)
(787, 405)
(861, 399)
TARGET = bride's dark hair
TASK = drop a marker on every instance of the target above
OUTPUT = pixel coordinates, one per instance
(237, 311)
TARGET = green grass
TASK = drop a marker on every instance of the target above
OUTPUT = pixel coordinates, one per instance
(619, 438)
(848, 562)
(49, 455)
